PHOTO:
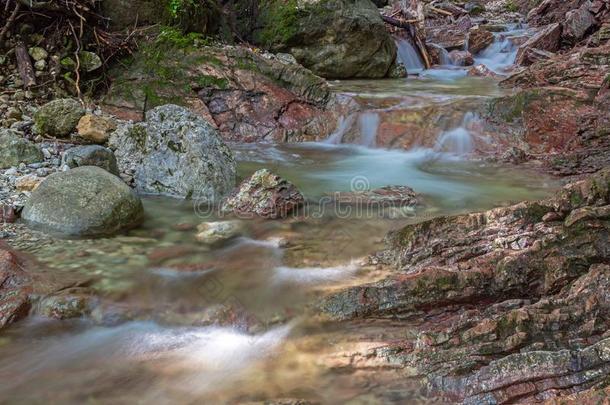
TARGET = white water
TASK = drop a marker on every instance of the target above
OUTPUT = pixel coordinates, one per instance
(344, 125)
(368, 124)
(501, 54)
(314, 275)
(409, 56)
(458, 141)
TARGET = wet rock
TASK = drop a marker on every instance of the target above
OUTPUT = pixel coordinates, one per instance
(58, 118)
(265, 195)
(492, 293)
(479, 39)
(14, 149)
(14, 288)
(175, 153)
(481, 71)
(214, 232)
(85, 201)
(91, 155)
(336, 39)
(384, 197)
(547, 39)
(64, 306)
(461, 58)
(95, 128)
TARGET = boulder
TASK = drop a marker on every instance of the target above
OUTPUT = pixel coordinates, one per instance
(91, 155)
(58, 118)
(547, 39)
(85, 201)
(95, 128)
(14, 149)
(481, 71)
(578, 23)
(175, 153)
(265, 195)
(461, 58)
(336, 39)
(479, 39)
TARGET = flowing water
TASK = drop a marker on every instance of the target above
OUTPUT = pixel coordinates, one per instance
(182, 322)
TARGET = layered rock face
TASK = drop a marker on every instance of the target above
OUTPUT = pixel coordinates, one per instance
(247, 96)
(515, 299)
(336, 39)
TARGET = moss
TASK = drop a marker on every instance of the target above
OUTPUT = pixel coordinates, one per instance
(511, 6)
(279, 19)
(211, 81)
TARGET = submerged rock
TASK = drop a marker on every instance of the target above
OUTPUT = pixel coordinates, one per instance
(58, 118)
(175, 153)
(461, 58)
(91, 155)
(214, 232)
(265, 195)
(85, 201)
(14, 149)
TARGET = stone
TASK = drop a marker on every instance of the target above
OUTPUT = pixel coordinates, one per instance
(578, 23)
(58, 118)
(479, 39)
(214, 232)
(7, 214)
(83, 202)
(91, 155)
(265, 195)
(89, 61)
(336, 39)
(63, 306)
(175, 153)
(95, 128)
(547, 39)
(40, 65)
(14, 149)
(29, 182)
(481, 71)
(37, 53)
(388, 196)
(461, 58)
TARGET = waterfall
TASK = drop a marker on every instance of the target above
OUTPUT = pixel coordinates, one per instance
(458, 141)
(368, 124)
(502, 53)
(345, 123)
(444, 57)
(409, 56)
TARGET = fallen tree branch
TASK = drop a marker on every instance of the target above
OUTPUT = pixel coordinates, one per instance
(404, 24)
(9, 23)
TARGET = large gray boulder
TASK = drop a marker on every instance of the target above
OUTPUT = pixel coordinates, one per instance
(336, 39)
(58, 118)
(14, 149)
(85, 201)
(175, 153)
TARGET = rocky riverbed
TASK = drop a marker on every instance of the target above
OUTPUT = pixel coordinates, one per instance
(293, 203)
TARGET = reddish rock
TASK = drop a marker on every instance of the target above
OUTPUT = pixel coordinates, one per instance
(461, 58)
(481, 71)
(7, 214)
(479, 39)
(15, 287)
(547, 39)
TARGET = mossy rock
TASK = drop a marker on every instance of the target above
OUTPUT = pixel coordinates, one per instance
(58, 118)
(14, 149)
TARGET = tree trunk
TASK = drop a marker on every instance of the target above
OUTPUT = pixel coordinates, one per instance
(24, 63)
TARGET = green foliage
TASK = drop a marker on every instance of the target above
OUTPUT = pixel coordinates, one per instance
(511, 6)
(173, 37)
(202, 16)
(280, 20)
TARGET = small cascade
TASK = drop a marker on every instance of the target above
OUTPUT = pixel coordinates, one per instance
(344, 125)
(458, 141)
(409, 56)
(444, 57)
(368, 124)
(502, 53)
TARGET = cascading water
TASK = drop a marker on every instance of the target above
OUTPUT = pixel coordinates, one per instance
(502, 53)
(458, 141)
(345, 123)
(409, 56)
(368, 123)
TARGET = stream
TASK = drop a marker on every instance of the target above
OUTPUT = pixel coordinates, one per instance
(155, 335)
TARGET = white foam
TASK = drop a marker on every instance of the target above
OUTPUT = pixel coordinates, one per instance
(314, 275)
